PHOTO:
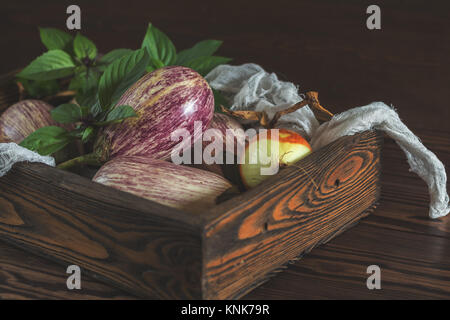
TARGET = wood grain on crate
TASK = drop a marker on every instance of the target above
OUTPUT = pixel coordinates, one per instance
(138, 245)
(345, 63)
(288, 215)
(26, 276)
(154, 251)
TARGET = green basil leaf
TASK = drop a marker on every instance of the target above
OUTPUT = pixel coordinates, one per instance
(159, 46)
(85, 80)
(96, 108)
(46, 140)
(117, 114)
(84, 111)
(76, 133)
(120, 113)
(204, 48)
(113, 55)
(88, 98)
(56, 39)
(219, 100)
(85, 84)
(204, 65)
(51, 65)
(120, 75)
(66, 113)
(157, 63)
(84, 48)
(87, 134)
(39, 89)
(150, 68)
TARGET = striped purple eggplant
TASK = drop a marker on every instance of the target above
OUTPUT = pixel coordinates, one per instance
(173, 185)
(166, 99)
(23, 118)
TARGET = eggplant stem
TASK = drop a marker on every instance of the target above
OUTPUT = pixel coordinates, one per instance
(90, 158)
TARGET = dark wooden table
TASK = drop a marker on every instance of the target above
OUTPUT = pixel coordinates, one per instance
(320, 45)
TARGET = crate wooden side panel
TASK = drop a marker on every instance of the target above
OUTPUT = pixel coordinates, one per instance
(145, 248)
(258, 232)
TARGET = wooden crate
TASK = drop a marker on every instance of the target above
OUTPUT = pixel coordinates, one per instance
(154, 251)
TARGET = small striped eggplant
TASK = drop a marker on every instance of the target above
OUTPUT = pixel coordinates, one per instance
(23, 118)
(165, 100)
(173, 185)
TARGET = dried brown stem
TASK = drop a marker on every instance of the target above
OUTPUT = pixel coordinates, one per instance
(260, 116)
(291, 109)
(322, 114)
(311, 100)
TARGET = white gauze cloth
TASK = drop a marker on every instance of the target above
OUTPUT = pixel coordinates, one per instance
(379, 116)
(10, 153)
(249, 87)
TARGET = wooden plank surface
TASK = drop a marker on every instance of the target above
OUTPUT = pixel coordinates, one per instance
(321, 45)
(148, 249)
(26, 276)
(257, 232)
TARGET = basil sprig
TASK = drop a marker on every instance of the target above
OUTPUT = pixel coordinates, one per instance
(116, 79)
(99, 81)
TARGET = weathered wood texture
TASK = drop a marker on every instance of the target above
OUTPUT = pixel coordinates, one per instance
(156, 252)
(140, 246)
(320, 45)
(27, 276)
(305, 205)
(412, 251)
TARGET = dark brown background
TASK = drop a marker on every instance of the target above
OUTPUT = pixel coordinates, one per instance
(319, 45)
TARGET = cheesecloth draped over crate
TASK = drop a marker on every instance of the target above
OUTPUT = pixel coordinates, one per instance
(250, 87)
